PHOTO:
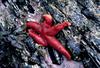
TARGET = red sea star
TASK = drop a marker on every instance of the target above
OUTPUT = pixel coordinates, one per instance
(44, 33)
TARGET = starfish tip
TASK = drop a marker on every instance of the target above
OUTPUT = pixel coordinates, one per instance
(48, 18)
(67, 23)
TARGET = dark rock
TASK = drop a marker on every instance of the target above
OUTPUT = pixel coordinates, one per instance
(55, 56)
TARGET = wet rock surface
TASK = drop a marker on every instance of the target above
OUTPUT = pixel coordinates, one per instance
(82, 38)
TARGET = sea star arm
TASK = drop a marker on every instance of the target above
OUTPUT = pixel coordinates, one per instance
(47, 19)
(55, 29)
(58, 46)
(37, 38)
(34, 25)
